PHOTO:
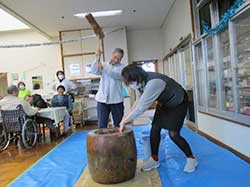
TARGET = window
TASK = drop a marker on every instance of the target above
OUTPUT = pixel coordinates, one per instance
(211, 73)
(243, 65)
(197, 1)
(209, 12)
(201, 3)
(149, 67)
(172, 68)
(176, 67)
(225, 63)
(166, 67)
(223, 70)
(188, 69)
(205, 17)
(224, 5)
(200, 74)
(188, 79)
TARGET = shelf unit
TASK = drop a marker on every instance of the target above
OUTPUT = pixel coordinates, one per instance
(222, 63)
(242, 70)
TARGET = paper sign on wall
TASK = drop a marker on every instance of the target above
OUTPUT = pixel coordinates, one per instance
(75, 69)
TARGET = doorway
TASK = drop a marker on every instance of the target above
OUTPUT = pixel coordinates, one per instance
(148, 65)
(3, 84)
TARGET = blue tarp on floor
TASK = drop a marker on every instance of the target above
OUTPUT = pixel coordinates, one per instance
(217, 167)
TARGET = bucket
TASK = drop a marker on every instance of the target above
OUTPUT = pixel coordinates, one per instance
(145, 141)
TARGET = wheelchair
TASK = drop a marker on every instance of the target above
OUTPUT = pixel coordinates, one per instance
(16, 126)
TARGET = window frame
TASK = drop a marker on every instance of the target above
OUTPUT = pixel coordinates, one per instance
(219, 112)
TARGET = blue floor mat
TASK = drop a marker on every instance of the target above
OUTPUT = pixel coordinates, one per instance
(217, 167)
(59, 168)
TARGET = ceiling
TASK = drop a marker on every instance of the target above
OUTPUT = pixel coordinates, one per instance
(46, 15)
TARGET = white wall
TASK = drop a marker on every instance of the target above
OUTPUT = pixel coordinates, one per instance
(145, 44)
(34, 61)
(46, 60)
(231, 134)
(177, 24)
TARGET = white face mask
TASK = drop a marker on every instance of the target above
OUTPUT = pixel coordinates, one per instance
(21, 87)
(60, 77)
(134, 85)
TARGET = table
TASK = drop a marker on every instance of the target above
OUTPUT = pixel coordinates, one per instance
(56, 113)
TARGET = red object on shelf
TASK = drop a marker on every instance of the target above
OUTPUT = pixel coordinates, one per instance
(245, 110)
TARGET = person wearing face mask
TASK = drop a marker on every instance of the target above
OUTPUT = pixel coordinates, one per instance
(23, 92)
(171, 109)
(69, 86)
(109, 96)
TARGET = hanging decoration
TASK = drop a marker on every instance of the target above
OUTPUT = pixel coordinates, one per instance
(55, 42)
(47, 43)
(224, 20)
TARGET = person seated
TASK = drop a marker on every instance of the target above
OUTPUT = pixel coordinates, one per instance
(11, 101)
(23, 91)
(42, 120)
(62, 99)
(36, 100)
(28, 99)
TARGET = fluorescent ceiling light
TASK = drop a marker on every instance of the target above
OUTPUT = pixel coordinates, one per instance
(8, 22)
(101, 13)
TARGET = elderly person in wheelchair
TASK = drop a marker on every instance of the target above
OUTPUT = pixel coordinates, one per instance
(16, 121)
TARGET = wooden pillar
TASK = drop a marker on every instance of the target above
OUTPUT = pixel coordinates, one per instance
(61, 46)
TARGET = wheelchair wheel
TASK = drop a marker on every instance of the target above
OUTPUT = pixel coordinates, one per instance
(4, 139)
(29, 134)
